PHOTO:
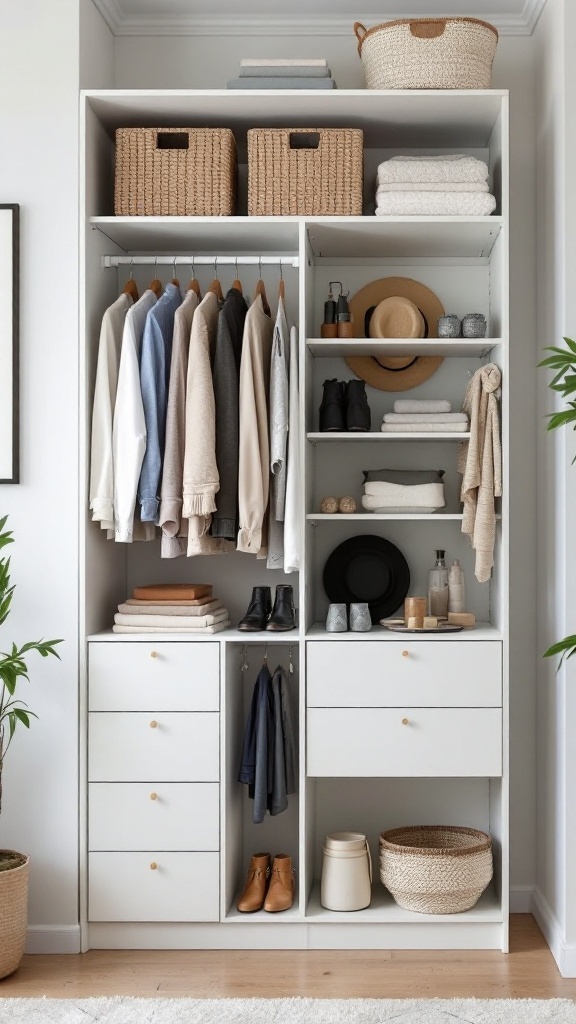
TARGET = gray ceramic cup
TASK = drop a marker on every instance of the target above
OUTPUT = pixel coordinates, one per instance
(449, 326)
(473, 325)
(360, 618)
(336, 620)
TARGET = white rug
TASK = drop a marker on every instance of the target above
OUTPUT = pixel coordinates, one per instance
(126, 1010)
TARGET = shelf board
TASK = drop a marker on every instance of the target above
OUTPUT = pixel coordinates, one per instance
(319, 517)
(403, 237)
(218, 235)
(263, 916)
(383, 910)
(481, 631)
(226, 636)
(381, 435)
(388, 118)
(455, 347)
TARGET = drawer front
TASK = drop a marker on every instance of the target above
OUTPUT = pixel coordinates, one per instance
(410, 673)
(154, 676)
(162, 747)
(167, 816)
(404, 742)
(124, 887)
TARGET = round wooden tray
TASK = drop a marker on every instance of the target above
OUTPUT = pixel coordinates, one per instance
(444, 628)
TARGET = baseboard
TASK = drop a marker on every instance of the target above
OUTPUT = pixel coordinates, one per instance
(521, 897)
(563, 952)
(53, 938)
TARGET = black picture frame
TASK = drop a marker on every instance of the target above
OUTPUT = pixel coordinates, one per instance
(9, 343)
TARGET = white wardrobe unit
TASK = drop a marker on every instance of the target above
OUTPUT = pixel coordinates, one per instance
(393, 730)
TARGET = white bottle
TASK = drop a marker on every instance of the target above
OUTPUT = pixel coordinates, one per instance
(456, 588)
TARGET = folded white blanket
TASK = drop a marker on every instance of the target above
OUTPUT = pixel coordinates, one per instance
(129, 608)
(176, 621)
(400, 496)
(424, 428)
(421, 405)
(451, 168)
(431, 186)
(435, 204)
(425, 417)
(216, 628)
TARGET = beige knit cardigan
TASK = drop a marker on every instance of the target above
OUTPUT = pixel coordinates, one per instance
(254, 452)
(480, 463)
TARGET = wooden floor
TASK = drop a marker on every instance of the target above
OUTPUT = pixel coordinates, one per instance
(527, 971)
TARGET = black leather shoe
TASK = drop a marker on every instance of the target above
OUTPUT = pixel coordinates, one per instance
(332, 406)
(356, 406)
(258, 610)
(283, 614)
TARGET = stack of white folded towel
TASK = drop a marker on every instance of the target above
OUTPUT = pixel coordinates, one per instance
(433, 186)
(426, 417)
(403, 491)
(136, 616)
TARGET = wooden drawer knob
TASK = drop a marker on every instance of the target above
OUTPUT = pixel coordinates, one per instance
(153, 724)
(405, 721)
(405, 654)
(153, 654)
(153, 796)
(153, 866)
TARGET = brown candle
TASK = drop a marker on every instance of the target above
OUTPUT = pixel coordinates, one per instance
(415, 608)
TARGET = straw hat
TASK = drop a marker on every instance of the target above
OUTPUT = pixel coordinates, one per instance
(395, 307)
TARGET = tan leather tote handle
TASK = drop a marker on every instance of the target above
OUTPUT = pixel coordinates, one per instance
(428, 29)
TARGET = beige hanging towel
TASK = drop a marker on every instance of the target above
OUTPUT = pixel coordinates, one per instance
(480, 463)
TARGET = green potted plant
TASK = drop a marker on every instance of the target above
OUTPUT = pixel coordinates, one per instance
(563, 361)
(13, 712)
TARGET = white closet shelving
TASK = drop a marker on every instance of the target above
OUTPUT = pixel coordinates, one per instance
(360, 767)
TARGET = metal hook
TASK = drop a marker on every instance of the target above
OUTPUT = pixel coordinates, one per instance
(236, 267)
(290, 665)
(260, 267)
(216, 268)
(193, 268)
(131, 262)
(174, 268)
(280, 265)
(265, 654)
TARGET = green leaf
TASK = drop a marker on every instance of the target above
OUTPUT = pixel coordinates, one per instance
(22, 716)
(562, 645)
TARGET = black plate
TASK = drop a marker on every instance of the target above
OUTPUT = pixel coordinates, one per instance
(370, 569)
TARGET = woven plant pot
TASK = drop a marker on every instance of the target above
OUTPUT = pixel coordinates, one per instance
(13, 913)
(427, 53)
(435, 869)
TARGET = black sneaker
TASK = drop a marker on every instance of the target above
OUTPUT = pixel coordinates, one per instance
(332, 406)
(356, 406)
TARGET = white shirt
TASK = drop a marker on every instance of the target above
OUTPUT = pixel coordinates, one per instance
(292, 535)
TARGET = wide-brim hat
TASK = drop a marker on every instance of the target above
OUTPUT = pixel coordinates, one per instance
(371, 316)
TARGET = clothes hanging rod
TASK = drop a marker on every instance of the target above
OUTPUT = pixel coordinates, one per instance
(200, 261)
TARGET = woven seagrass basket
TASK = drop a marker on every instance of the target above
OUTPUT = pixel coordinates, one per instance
(305, 171)
(435, 869)
(175, 172)
(13, 915)
(427, 53)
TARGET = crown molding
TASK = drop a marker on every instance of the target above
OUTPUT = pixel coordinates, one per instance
(166, 24)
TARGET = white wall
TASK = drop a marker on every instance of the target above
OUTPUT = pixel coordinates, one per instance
(556, 700)
(188, 62)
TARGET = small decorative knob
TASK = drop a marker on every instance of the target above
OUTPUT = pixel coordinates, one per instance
(405, 721)
(153, 724)
(153, 866)
(153, 654)
(405, 654)
(153, 796)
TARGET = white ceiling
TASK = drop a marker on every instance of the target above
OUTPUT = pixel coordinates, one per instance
(301, 17)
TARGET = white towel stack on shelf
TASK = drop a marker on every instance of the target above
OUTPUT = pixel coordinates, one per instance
(433, 186)
(283, 73)
(427, 417)
(135, 616)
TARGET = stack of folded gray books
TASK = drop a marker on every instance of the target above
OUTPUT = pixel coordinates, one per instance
(283, 73)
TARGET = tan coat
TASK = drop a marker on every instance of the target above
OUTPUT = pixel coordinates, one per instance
(254, 454)
(480, 462)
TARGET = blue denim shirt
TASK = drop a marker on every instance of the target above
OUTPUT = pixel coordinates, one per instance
(154, 371)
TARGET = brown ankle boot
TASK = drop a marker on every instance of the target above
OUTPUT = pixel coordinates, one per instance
(280, 895)
(252, 898)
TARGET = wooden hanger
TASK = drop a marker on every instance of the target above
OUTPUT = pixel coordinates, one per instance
(261, 290)
(194, 285)
(131, 288)
(156, 285)
(216, 287)
(236, 283)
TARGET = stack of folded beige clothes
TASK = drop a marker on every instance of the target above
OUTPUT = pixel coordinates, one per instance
(172, 608)
(405, 490)
(426, 417)
(433, 186)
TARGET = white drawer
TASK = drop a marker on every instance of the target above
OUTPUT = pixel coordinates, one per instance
(154, 676)
(407, 673)
(404, 742)
(162, 747)
(166, 816)
(181, 887)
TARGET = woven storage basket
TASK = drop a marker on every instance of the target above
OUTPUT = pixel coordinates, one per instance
(427, 53)
(175, 172)
(13, 915)
(304, 171)
(435, 869)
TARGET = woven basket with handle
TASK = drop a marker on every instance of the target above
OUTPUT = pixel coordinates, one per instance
(427, 53)
(175, 172)
(305, 171)
(13, 914)
(435, 869)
